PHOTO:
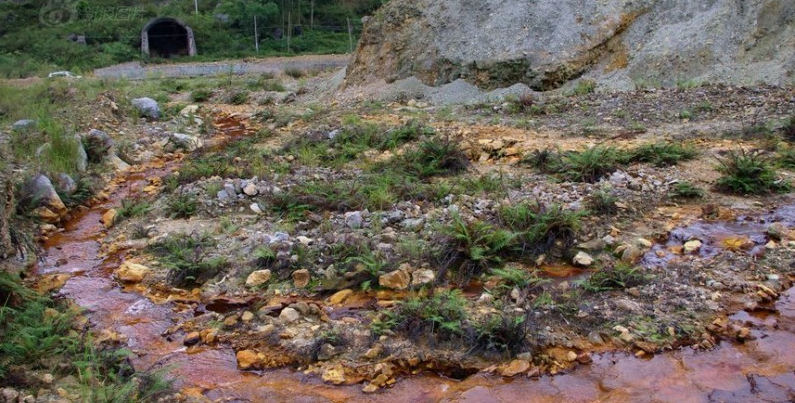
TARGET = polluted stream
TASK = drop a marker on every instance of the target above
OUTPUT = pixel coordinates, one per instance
(759, 370)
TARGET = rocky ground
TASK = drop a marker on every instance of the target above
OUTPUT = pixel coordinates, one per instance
(362, 242)
(306, 243)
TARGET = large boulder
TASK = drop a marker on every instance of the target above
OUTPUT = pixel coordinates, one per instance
(40, 195)
(547, 43)
(147, 107)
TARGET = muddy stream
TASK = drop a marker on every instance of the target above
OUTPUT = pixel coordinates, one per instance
(761, 370)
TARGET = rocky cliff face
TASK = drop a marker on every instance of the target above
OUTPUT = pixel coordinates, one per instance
(547, 43)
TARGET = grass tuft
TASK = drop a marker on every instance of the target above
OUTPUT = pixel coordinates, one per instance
(749, 173)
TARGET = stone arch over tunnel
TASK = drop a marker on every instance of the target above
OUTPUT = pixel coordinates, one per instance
(166, 38)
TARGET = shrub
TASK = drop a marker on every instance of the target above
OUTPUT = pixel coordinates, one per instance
(584, 87)
(502, 333)
(540, 226)
(187, 259)
(130, 208)
(602, 201)
(618, 277)
(663, 153)
(511, 277)
(686, 190)
(201, 95)
(749, 173)
(434, 157)
(294, 72)
(184, 205)
(441, 315)
(588, 165)
(473, 247)
(238, 97)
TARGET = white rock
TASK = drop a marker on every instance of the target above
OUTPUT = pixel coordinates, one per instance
(583, 259)
(289, 315)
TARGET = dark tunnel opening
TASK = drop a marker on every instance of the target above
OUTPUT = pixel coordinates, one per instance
(168, 39)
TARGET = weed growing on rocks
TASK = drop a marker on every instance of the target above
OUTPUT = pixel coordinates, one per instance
(540, 227)
(188, 260)
(602, 201)
(184, 205)
(131, 208)
(749, 173)
(663, 153)
(441, 315)
(473, 247)
(619, 277)
(686, 190)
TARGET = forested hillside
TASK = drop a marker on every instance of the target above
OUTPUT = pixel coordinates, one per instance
(40, 36)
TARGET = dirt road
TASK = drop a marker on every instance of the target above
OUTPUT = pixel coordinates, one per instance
(135, 71)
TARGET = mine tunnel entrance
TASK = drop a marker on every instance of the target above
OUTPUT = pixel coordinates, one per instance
(166, 38)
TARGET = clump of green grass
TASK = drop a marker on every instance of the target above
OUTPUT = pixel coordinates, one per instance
(188, 259)
(512, 277)
(294, 72)
(238, 97)
(131, 208)
(663, 153)
(618, 277)
(441, 315)
(502, 333)
(749, 173)
(540, 227)
(584, 87)
(588, 165)
(686, 190)
(434, 157)
(473, 247)
(201, 95)
(184, 205)
(602, 201)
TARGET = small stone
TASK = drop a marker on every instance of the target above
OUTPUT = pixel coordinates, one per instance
(334, 375)
(247, 316)
(422, 277)
(247, 359)
(289, 315)
(130, 272)
(251, 190)
(192, 339)
(258, 278)
(631, 254)
(109, 217)
(340, 297)
(692, 246)
(354, 219)
(255, 208)
(301, 278)
(370, 388)
(571, 356)
(230, 190)
(583, 259)
(396, 280)
(515, 367)
(644, 243)
(374, 352)
(778, 231)
(304, 240)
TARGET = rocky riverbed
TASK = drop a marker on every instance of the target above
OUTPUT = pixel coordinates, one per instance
(255, 249)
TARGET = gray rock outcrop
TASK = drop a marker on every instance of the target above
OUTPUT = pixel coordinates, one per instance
(545, 44)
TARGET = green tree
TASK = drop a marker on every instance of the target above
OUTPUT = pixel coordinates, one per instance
(241, 11)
